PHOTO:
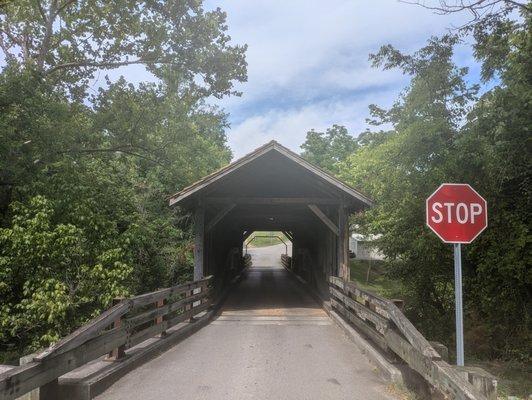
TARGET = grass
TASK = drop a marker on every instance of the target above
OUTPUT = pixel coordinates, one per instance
(376, 280)
(514, 378)
(271, 240)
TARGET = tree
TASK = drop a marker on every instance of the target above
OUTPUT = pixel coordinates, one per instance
(401, 168)
(83, 215)
(443, 133)
(327, 149)
(481, 11)
(67, 41)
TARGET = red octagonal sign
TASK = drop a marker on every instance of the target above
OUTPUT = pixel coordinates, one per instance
(456, 213)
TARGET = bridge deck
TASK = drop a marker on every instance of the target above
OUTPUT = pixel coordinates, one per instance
(271, 341)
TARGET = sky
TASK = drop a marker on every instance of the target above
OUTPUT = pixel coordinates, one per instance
(308, 64)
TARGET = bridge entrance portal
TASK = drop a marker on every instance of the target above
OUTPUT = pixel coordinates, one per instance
(271, 189)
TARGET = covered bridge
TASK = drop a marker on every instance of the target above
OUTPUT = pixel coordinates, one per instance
(272, 189)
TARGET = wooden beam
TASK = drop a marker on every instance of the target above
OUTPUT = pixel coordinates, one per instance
(246, 235)
(343, 244)
(289, 235)
(199, 242)
(272, 200)
(324, 218)
(86, 332)
(218, 217)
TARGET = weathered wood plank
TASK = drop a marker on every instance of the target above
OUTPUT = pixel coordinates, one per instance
(246, 235)
(411, 333)
(343, 243)
(437, 372)
(413, 348)
(369, 332)
(289, 236)
(161, 311)
(190, 313)
(364, 313)
(218, 217)
(324, 218)
(146, 333)
(286, 261)
(89, 342)
(380, 304)
(152, 297)
(389, 310)
(87, 331)
(20, 380)
(272, 200)
(199, 242)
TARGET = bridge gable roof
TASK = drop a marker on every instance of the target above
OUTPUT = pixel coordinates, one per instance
(188, 196)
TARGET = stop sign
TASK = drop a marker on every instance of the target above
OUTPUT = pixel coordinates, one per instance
(456, 213)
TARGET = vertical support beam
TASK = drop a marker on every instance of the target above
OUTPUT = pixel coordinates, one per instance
(190, 306)
(119, 352)
(343, 244)
(159, 320)
(199, 242)
(324, 218)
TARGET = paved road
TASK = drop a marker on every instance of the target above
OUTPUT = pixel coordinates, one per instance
(271, 341)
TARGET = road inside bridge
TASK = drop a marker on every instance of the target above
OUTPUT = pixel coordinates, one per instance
(270, 341)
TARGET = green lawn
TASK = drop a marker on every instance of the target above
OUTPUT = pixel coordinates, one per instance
(271, 240)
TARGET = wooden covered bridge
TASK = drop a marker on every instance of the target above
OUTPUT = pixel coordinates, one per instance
(261, 325)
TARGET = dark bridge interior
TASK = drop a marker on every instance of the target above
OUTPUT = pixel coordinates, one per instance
(271, 189)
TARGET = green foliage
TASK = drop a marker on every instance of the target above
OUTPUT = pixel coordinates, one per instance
(67, 41)
(371, 275)
(327, 149)
(443, 133)
(51, 277)
(83, 186)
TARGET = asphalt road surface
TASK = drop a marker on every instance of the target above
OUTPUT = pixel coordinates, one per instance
(271, 341)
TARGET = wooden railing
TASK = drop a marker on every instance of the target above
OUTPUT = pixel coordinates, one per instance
(381, 321)
(286, 261)
(127, 323)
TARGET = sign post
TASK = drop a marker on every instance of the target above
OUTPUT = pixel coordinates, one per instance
(457, 214)
(459, 305)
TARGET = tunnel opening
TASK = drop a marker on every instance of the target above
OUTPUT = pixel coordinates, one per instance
(274, 244)
(271, 190)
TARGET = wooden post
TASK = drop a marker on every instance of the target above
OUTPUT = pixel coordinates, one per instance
(343, 244)
(199, 242)
(190, 306)
(160, 318)
(119, 352)
(399, 303)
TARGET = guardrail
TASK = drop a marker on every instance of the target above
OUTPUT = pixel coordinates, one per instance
(384, 324)
(129, 322)
(300, 263)
(286, 261)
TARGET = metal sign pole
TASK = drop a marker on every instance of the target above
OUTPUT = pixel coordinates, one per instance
(459, 306)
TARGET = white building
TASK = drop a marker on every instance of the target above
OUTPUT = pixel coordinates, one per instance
(362, 247)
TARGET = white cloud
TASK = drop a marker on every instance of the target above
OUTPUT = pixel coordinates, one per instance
(308, 63)
(289, 127)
